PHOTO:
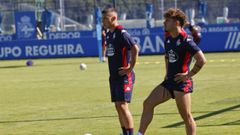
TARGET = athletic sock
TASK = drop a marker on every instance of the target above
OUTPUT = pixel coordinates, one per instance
(130, 131)
(139, 133)
(124, 131)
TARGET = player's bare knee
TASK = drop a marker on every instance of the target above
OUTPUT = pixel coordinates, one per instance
(190, 123)
(118, 106)
(122, 106)
(147, 104)
(188, 118)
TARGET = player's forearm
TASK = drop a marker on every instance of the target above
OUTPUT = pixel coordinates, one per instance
(134, 56)
(197, 66)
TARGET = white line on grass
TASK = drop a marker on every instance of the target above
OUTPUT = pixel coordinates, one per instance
(211, 61)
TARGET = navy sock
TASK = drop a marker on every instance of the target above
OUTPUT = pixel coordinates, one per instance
(124, 131)
(130, 131)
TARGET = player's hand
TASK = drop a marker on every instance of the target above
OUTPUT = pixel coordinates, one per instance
(124, 70)
(187, 24)
(181, 77)
(165, 77)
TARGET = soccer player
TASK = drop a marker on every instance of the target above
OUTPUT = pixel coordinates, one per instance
(177, 84)
(122, 54)
(104, 46)
(195, 32)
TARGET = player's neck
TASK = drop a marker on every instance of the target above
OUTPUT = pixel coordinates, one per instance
(113, 27)
(175, 32)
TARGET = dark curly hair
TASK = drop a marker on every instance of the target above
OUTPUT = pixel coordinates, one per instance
(176, 14)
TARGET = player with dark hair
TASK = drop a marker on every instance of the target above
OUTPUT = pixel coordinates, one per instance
(122, 54)
(178, 84)
(195, 32)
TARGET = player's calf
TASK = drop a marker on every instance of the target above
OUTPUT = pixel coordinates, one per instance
(126, 117)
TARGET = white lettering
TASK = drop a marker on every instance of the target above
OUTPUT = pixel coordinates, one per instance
(138, 42)
(61, 49)
(5, 38)
(28, 51)
(16, 51)
(232, 41)
(228, 40)
(35, 50)
(43, 50)
(8, 51)
(79, 49)
(64, 35)
(237, 44)
(222, 29)
(147, 44)
(159, 43)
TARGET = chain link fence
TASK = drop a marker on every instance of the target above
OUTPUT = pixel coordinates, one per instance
(79, 14)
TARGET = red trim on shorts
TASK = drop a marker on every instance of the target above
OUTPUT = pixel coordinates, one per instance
(128, 87)
(187, 86)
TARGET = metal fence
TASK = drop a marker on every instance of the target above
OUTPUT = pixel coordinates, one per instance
(79, 14)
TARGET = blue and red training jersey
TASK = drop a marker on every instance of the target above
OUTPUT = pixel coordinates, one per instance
(179, 51)
(119, 44)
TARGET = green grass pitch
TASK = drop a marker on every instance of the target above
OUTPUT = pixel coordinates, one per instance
(54, 97)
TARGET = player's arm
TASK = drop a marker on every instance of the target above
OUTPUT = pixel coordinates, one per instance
(133, 48)
(198, 55)
(134, 55)
(200, 61)
(196, 34)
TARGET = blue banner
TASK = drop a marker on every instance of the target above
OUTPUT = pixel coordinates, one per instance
(30, 49)
(220, 38)
(70, 35)
(150, 41)
(6, 38)
(215, 38)
(25, 23)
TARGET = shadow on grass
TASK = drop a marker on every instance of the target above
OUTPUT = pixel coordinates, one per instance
(48, 64)
(209, 114)
(233, 123)
(15, 66)
(205, 116)
(82, 118)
